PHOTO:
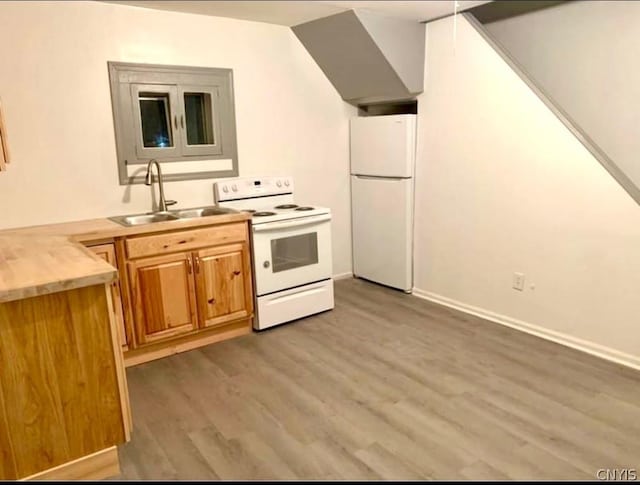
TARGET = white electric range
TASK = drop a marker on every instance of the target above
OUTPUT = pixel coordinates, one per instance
(291, 248)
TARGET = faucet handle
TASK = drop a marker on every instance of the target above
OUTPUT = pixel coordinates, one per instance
(170, 202)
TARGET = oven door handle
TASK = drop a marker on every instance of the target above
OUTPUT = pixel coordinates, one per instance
(303, 221)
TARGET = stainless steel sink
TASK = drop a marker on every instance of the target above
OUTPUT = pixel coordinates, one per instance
(203, 212)
(137, 219)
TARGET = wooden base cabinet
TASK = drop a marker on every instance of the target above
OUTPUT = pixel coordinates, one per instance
(223, 281)
(178, 295)
(164, 303)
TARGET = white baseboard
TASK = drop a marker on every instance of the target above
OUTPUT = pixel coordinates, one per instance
(601, 351)
(342, 276)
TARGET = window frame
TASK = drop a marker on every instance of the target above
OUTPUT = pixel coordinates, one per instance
(129, 78)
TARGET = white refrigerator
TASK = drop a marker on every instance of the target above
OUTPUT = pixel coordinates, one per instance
(382, 166)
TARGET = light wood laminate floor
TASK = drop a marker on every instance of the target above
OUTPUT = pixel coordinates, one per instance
(386, 386)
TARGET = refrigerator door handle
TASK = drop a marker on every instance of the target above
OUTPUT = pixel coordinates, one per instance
(370, 177)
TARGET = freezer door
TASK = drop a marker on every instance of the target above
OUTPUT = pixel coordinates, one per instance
(383, 146)
(382, 217)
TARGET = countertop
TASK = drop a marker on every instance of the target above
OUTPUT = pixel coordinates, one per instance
(38, 260)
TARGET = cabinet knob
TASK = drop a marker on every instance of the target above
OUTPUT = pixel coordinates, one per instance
(266, 264)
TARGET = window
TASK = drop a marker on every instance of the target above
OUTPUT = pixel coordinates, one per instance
(155, 117)
(173, 114)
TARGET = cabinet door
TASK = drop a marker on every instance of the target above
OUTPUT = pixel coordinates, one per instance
(163, 293)
(223, 277)
(108, 253)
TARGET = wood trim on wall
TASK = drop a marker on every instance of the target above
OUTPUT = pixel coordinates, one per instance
(4, 146)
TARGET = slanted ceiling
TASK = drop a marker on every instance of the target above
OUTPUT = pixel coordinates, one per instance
(367, 57)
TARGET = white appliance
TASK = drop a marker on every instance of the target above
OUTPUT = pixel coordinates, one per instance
(382, 168)
(291, 248)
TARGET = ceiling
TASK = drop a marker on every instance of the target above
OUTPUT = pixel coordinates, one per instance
(292, 13)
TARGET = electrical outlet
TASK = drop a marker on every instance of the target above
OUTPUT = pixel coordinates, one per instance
(518, 281)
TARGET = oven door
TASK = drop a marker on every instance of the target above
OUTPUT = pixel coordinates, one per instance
(291, 253)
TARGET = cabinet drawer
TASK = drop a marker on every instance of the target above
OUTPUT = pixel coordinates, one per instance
(165, 243)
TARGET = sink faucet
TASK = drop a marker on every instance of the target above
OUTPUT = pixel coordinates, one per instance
(148, 180)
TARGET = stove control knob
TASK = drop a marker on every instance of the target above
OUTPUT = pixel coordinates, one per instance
(225, 189)
(279, 183)
(266, 264)
(286, 182)
(234, 187)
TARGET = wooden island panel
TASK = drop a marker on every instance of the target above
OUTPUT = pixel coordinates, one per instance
(61, 391)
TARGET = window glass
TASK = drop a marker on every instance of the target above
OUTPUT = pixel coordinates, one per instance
(199, 119)
(156, 120)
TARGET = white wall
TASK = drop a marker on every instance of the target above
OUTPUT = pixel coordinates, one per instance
(584, 55)
(54, 87)
(503, 186)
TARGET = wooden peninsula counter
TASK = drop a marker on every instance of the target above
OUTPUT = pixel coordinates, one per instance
(63, 397)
